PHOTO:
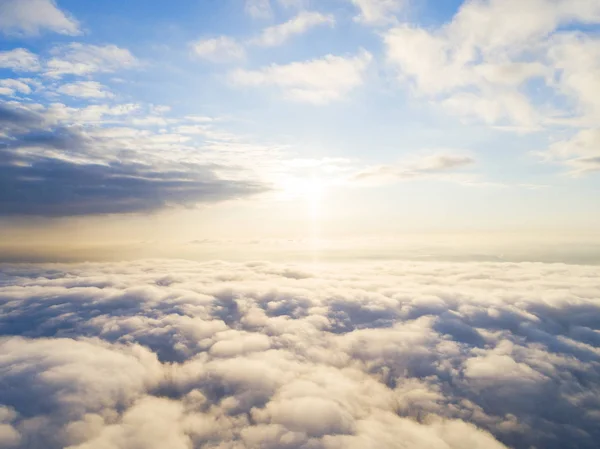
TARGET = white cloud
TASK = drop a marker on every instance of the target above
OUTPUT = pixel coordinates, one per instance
(436, 165)
(245, 355)
(490, 53)
(30, 17)
(378, 12)
(304, 21)
(580, 153)
(83, 59)
(11, 86)
(219, 49)
(85, 89)
(577, 60)
(492, 107)
(19, 60)
(317, 81)
(259, 9)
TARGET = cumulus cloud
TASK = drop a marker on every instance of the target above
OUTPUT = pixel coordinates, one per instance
(19, 60)
(85, 89)
(318, 81)
(56, 162)
(10, 86)
(219, 49)
(304, 21)
(490, 53)
(83, 59)
(30, 17)
(248, 355)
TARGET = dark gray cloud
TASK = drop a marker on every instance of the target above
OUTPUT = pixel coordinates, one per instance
(215, 355)
(14, 116)
(64, 171)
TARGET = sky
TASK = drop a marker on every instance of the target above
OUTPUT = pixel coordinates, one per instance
(189, 128)
(299, 224)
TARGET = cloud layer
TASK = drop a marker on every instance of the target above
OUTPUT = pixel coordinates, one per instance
(55, 163)
(215, 355)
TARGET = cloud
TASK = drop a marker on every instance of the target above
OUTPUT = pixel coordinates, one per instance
(84, 59)
(84, 89)
(578, 58)
(213, 355)
(10, 86)
(258, 9)
(19, 60)
(220, 49)
(434, 165)
(304, 21)
(52, 165)
(318, 81)
(580, 153)
(496, 54)
(31, 17)
(378, 12)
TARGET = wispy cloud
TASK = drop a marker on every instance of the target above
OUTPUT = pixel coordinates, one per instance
(31, 17)
(258, 9)
(19, 60)
(85, 89)
(580, 153)
(304, 21)
(219, 49)
(434, 165)
(318, 81)
(378, 12)
(84, 59)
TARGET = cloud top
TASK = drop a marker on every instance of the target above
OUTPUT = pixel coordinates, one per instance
(215, 355)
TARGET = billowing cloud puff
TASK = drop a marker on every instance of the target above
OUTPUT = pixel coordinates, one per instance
(177, 354)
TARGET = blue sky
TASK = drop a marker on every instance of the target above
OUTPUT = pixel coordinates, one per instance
(353, 117)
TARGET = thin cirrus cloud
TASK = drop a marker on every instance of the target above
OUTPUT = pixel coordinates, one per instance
(225, 49)
(436, 165)
(258, 9)
(581, 153)
(189, 355)
(378, 12)
(32, 17)
(219, 49)
(85, 89)
(318, 81)
(279, 34)
(72, 59)
(83, 59)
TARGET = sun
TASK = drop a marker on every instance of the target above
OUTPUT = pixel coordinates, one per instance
(310, 189)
